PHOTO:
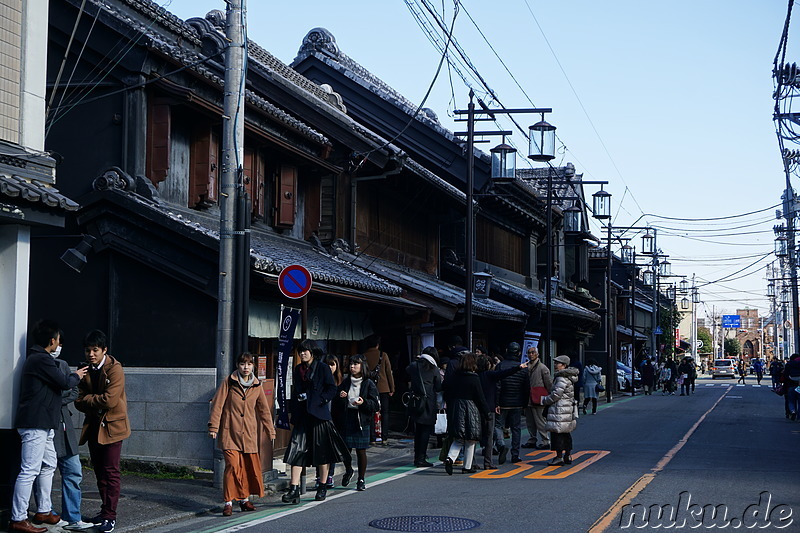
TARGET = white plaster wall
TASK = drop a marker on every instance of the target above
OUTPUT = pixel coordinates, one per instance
(34, 59)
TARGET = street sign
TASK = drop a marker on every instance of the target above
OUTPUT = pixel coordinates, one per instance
(658, 331)
(294, 281)
(731, 321)
(699, 343)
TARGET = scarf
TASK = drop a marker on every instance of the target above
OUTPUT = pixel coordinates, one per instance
(354, 392)
(246, 384)
(429, 359)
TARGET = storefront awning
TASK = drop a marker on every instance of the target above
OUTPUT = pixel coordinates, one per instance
(323, 323)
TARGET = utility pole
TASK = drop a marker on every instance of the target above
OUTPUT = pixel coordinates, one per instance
(232, 156)
(789, 203)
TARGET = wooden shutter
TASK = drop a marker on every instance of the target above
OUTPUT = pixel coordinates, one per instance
(204, 167)
(285, 196)
(254, 180)
(159, 129)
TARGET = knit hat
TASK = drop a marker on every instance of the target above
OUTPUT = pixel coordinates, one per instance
(563, 359)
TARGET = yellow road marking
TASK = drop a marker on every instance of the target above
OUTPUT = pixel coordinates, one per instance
(561, 473)
(607, 519)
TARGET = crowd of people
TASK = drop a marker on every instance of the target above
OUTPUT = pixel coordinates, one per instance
(49, 390)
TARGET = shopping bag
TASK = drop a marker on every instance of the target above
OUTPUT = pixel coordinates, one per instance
(441, 424)
(378, 432)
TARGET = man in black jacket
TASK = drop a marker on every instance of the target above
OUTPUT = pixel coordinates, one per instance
(512, 398)
(38, 415)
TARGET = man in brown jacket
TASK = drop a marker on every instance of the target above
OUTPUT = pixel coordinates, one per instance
(101, 396)
(376, 359)
(534, 414)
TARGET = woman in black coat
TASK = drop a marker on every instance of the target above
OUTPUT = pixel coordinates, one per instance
(467, 412)
(314, 441)
(356, 403)
(426, 381)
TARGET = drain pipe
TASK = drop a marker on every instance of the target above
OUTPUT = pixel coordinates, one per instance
(354, 181)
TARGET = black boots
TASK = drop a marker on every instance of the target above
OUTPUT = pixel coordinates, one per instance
(322, 493)
(293, 496)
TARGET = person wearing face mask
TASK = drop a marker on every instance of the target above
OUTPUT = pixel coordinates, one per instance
(69, 461)
(314, 441)
(38, 417)
(238, 411)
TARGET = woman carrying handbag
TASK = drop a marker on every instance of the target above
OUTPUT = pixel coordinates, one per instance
(426, 382)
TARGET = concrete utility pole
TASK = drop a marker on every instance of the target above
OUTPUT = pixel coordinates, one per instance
(232, 157)
(789, 204)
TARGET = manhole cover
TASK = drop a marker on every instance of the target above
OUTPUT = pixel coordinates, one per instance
(424, 523)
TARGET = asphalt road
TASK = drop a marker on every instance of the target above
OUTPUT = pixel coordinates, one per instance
(722, 458)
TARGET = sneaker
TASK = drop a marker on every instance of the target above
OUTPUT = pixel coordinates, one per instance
(107, 526)
(329, 483)
(80, 525)
(361, 485)
(448, 466)
(97, 520)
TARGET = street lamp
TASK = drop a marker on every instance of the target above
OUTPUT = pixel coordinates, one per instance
(542, 141)
(573, 219)
(504, 163)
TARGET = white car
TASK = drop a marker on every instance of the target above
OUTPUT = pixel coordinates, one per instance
(723, 368)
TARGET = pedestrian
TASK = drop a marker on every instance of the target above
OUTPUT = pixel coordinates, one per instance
(758, 368)
(648, 376)
(673, 376)
(562, 416)
(775, 372)
(379, 366)
(693, 373)
(576, 363)
(466, 414)
(358, 401)
(592, 377)
(539, 378)
(69, 461)
(684, 371)
(336, 417)
(37, 418)
(239, 412)
(742, 369)
(791, 380)
(314, 440)
(512, 396)
(489, 377)
(101, 397)
(426, 382)
(665, 378)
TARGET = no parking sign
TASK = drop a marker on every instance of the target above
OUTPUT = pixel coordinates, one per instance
(294, 281)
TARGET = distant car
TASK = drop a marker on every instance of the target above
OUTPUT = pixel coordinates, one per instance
(624, 377)
(723, 368)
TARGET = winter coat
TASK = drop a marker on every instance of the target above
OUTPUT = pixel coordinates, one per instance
(40, 391)
(539, 376)
(239, 414)
(685, 369)
(592, 376)
(489, 379)
(106, 407)
(467, 408)
(319, 389)
(65, 439)
(514, 391)
(648, 374)
(563, 413)
(385, 375)
(431, 384)
(368, 392)
(792, 370)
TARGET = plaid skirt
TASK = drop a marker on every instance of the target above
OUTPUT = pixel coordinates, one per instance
(355, 436)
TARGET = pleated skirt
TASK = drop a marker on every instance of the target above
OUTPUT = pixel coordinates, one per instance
(316, 443)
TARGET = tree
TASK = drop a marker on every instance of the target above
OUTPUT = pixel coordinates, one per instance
(704, 336)
(669, 317)
(732, 348)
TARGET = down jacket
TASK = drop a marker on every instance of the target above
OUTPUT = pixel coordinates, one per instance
(467, 408)
(563, 413)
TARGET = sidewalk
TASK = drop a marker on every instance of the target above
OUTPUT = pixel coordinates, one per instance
(148, 502)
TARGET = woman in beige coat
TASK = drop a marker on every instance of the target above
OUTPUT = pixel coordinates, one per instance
(563, 413)
(238, 412)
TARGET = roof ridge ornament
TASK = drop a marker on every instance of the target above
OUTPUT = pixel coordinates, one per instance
(319, 40)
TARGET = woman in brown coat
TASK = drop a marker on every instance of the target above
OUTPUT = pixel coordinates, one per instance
(238, 412)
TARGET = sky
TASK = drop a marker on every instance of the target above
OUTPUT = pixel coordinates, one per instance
(670, 102)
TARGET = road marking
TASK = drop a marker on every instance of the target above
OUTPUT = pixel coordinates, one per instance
(608, 518)
(545, 473)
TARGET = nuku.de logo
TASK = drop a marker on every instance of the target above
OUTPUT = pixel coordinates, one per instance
(695, 516)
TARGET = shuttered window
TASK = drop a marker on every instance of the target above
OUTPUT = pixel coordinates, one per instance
(159, 126)
(498, 246)
(204, 167)
(285, 196)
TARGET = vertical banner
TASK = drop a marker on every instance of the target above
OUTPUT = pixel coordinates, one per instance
(289, 318)
(531, 340)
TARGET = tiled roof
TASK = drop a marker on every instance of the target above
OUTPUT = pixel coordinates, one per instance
(35, 192)
(272, 253)
(537, 299)
(436, 288)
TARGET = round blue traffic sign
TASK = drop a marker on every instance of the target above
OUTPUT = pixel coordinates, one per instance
(294, 281)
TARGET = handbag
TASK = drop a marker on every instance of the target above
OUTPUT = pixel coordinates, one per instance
(779, 389)
(414, 402)
(440, 428)
(599, 388)
(537, 393)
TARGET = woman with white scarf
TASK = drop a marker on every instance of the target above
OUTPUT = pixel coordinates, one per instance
(426, 382)
(358, 397)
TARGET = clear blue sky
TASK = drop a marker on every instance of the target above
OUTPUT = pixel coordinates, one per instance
(673, 107)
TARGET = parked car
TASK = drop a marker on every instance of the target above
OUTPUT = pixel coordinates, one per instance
(624, 377)
(723, 368)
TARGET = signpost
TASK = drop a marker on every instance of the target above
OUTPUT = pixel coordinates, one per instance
(294, 281)
(731, 321)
